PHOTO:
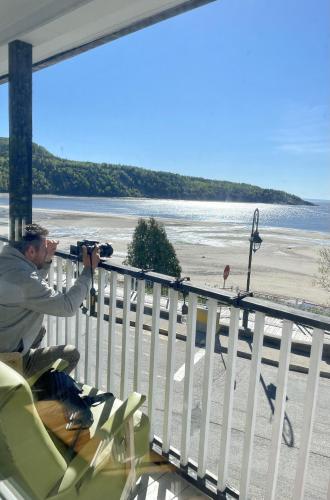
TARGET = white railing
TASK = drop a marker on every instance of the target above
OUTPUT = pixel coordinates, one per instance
(123, 349)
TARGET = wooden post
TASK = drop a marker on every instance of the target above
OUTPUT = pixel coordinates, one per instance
(20, 137)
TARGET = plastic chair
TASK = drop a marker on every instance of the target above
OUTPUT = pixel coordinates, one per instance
(106, 465)
(13, 359)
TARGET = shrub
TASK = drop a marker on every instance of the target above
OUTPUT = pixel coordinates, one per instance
(151, 249)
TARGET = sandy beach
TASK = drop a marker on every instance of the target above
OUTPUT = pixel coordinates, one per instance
(285, 265)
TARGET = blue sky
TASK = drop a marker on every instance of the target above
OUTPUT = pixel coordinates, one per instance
(235, 90)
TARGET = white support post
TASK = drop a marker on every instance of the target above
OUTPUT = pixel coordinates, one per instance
(112, 330)
(228, 398)
(309, 411)
(207, 386)
(251, 411)
(125, 338)
(68, 285)
(189, 378)
(50, 327)
(153, 357)
(138, 335)
(99, 327)
(281, 389)
(59, 286)
(170, 363)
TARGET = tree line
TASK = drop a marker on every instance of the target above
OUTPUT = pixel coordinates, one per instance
(58, 176)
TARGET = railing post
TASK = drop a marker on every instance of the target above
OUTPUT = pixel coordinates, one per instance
(87, 349)
(99, 327)
(138, 335)
(228, 399)
(112, 330)
(207, 386)
(188, 380)
(282, 380)
(125, 337)
(78, 334)
(68, 284)
(154, 357)
(50, 319)
(170, 363)
(309, 411)
(59, 286)
(251, 410)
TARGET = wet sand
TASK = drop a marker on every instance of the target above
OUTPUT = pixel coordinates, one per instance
(285, 265)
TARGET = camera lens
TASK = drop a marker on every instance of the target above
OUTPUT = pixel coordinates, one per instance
(106, 250)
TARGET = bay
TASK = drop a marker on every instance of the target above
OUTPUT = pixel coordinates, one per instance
(309, 218)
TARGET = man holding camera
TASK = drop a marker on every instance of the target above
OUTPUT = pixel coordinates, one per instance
(25, 297)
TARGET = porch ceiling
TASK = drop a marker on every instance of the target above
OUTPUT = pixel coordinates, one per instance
(58, 29)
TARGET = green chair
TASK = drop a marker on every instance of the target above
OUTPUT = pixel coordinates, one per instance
(106, 465)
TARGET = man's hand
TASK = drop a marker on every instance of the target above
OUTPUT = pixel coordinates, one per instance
(51, 246)
(91, 260)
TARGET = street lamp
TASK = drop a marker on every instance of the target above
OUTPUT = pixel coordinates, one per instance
(255, 243)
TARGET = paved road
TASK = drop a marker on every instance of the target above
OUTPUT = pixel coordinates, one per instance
(319, 464)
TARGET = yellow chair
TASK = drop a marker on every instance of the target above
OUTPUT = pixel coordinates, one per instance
(106, 465)
(13, 359)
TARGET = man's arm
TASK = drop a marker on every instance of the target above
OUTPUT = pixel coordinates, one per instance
(39, 297)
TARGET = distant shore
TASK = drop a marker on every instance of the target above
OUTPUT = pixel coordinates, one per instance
(285, 265)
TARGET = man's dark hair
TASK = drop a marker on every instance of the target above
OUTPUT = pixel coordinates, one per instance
(33, 235)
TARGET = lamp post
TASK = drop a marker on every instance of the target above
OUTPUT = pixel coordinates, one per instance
(255, 243)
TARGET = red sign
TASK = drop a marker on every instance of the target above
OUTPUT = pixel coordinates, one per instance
(226, 272)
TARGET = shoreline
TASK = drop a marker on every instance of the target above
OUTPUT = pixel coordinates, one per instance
(306, 202)
(321, 235)
(286, 264)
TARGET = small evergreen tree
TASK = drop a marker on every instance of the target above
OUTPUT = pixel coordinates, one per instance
(151, 249)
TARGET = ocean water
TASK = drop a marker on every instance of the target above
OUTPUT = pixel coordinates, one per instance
(214, 223)
(310, 218)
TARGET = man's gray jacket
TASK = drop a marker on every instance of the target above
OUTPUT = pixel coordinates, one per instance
(25, 297)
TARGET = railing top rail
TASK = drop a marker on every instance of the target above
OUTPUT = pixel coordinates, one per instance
(286, 312)
(270, 308)
(273, 309)
(163, 279)
(229, 298)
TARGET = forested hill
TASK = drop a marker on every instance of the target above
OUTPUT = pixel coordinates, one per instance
(53, 175)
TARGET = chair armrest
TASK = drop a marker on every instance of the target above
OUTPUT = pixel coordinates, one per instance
(13, 359)
(58, 365)
(78, 467)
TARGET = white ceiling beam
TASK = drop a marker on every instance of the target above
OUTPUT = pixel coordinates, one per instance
(59, 29)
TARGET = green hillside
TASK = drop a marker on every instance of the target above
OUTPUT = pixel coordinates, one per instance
(57, 176)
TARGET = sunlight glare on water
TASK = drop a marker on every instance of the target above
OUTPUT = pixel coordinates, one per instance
(310, 218)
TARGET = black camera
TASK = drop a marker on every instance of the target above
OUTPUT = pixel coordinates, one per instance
(106, 249)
